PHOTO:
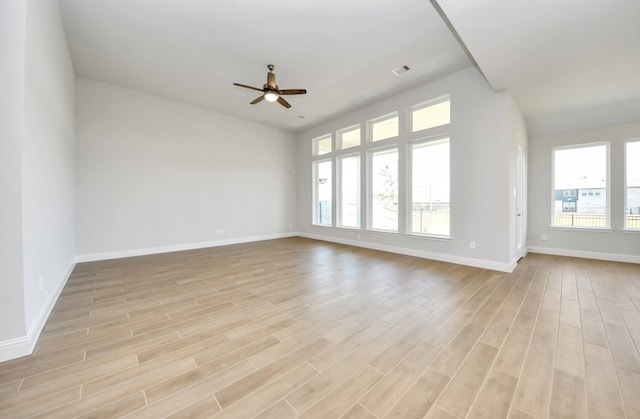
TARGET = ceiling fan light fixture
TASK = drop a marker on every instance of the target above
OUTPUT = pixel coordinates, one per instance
(271, 96)
(271, 92)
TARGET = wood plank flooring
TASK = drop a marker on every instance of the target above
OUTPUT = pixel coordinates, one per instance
(301, 328)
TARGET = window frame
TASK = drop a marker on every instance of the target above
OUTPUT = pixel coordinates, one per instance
(339, 190)
(409, 207)
(315, 145)
(625, 220)
(424, 105)
(315, 197)
(341, 132)
(607, 159)
(369, 173)
(400, 144)
(371, 122)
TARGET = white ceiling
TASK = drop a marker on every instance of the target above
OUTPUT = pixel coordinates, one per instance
(555, 56)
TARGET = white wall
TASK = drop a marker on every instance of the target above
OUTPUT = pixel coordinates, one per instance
(157, 175)
(614, 244)
(48, 159)
(41, 145)
(12, 36)
(481, 134)
(617, 113)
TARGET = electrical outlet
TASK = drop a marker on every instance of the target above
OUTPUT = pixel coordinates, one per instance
(219, 231)
(543, 236)
(472, 244)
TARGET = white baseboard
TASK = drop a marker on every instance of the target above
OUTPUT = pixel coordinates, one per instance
(442, 257)
(91, 257)
(15, 348)
(613, 257)
(24, 345)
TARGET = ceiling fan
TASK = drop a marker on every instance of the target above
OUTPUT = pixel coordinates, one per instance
(271, 92)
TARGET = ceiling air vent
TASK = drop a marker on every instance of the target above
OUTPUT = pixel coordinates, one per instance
(400, 70)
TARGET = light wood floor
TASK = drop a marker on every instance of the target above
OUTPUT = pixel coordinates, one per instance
(297, 327)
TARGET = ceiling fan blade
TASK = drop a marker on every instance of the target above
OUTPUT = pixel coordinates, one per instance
(247, 87)
(293, 91)
(258, 99)
(271, 80)
(283, 102)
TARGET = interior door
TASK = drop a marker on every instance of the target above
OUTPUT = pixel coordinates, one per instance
(520, 203)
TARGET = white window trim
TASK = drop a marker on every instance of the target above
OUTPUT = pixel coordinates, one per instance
(338, 193)
(409, 205)
(624, 207)
(369, 224)
(607, 145)
(315, 150)
(372, 121)
(315, 200)
(340, 132)
(423, 105)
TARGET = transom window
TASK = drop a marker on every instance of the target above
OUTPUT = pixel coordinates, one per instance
(322, 145)
(430, 115)
(349, 137)
(384, 127)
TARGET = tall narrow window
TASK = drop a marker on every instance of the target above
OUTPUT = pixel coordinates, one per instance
(632, 182)
(430, 212)
(322, 145)
(349, 137)
(349, 191)
(430, 115)
(384, 190)
(384, 127)
(322, 192)
(577, 169)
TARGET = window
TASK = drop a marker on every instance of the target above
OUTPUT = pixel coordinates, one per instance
(349, 137)
(322, 145)
(379, 175)
(384, 127)
(430, 176)
(430, 115)
(349, 215)
(632, 182)
(323, 192)
(384, 190)
(582, 167)
(570, 193)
